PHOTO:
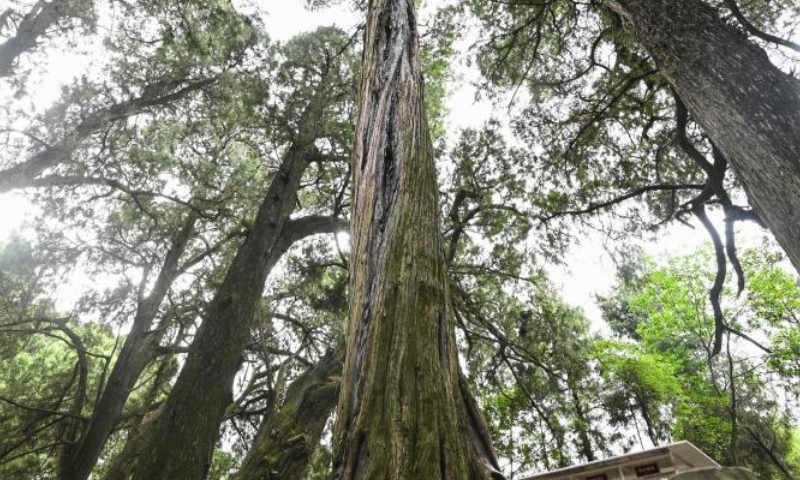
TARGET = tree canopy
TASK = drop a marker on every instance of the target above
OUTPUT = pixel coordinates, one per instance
(183, 300)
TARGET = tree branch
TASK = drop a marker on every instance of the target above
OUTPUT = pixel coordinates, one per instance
(634, 193)
(755, 31)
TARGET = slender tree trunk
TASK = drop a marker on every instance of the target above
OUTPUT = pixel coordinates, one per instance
(70, 430)
(146, 435)
(187, 427)
(134, 357)
(582, 425)
(121, 464)
(288, 436)
(749, 108)
(776, 459)
(648, 422)
(404, 411)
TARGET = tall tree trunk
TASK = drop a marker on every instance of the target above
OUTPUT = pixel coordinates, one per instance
(186, 429)
(134, 357)
(288, 436)
(404, 412)
(146, 435)
(749, 108)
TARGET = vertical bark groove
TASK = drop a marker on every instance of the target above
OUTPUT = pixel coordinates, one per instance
(404, 412)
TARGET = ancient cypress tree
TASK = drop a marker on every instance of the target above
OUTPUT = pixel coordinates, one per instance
(749, 108)
(404, 411)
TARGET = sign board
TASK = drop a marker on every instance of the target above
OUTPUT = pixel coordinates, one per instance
(647, 469)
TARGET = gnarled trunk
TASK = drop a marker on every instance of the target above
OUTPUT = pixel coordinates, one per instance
(289, 434)
(404, 412)
(749, 108)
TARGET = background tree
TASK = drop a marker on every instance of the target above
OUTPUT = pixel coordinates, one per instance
(722, 404)
(610, 126)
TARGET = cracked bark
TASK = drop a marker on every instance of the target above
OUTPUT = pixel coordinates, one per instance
(747, 106)
(404, 410)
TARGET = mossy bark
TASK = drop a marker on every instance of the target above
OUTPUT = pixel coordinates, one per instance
(404, 411)
(746, 105)
(181, 437)
(288, 435)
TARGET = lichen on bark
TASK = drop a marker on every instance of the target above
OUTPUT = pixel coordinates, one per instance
(404, 412)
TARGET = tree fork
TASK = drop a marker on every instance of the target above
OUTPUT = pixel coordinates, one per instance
(289, 434)
(749, 108)
(146, 434)
(134, 357)
(180, 439)
(404, 411)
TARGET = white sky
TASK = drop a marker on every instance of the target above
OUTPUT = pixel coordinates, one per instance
(587, 269)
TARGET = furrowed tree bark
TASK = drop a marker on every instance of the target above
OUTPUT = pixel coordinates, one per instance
(135, 355)
(287, 437)
(183, 435)
(404, 412)
(749, 108)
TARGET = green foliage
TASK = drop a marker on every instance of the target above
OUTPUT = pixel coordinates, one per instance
(437, 51)
(190, 109)
(639, 384)
(50, 366)
(223, 466)
(725, 406)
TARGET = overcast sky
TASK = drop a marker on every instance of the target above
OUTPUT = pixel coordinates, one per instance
(587, 269)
